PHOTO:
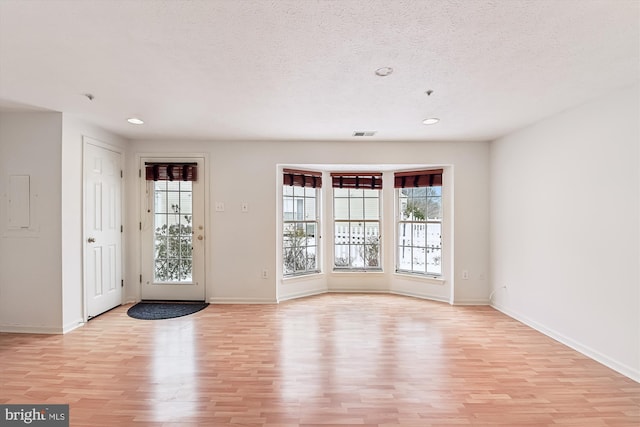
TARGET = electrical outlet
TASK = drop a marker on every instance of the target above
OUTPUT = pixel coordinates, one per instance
(465, 274)
(265, 274)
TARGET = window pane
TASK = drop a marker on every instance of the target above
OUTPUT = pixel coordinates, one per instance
(357, 256)
(404, 234)
(341, 208)
(355, 192)
(298, 191)
(372, 208)
(310, 209)
(371, 193)
(311, 234)
(419, 259)
(185, 247)
(185, 270)
(186, 202)
(311, 258)
(434, 205)
(289, 235)
(341, 233)
(287, 190)
(357, 233)
(372, 247)
(404, 257)
(173, 220)
(372, 230)
(434, 235)
(356, 208)
(287, 208)
(340, 192)
(414, 210)
(160, 202)
(341, 256)
(173, 202)
(434, 265)
(173, 185)
(161, 226)
(160, 247)
(419, 238)
(434, 191)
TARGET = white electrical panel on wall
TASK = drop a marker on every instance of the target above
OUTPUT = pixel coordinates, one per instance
(19, 202)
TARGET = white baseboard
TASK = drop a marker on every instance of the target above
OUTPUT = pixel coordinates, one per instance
(304, 294)
(414, 295)
(72, 325)
(26, 329)
(357, 291)
(471, 302)
(621, 368)
(223, 300)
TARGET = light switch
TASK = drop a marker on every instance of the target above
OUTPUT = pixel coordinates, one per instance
(244, 207)
(219, 207)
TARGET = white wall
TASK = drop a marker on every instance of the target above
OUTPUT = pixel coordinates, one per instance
(234, 271)
(41, 268)
(30, 260)
(565, 228)
(73, 132)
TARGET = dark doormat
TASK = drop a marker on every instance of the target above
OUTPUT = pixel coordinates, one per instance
(164, 310)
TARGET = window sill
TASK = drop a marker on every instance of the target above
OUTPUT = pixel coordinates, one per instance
(350, 272)
(302, 277)
(434, 280)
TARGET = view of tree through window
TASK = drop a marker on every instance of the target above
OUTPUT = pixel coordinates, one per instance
(357, 229)
(173, 231)
(357, 221)
(300, 236)
(420, 230)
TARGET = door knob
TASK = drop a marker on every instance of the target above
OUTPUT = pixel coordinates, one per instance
(91, 240)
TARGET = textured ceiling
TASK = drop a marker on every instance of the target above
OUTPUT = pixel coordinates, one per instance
(304, 70)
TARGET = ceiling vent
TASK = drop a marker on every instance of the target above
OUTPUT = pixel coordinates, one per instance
(364, 133)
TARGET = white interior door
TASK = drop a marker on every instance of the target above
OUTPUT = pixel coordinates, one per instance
(102, 229)
(173, 261)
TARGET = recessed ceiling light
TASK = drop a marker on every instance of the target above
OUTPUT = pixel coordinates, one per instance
(384, 71)
(431, 121)
(135, 121)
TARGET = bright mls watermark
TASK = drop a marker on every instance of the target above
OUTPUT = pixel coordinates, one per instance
(34, 415)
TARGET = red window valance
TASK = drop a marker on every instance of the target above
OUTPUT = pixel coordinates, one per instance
(302, 178)
(362, 180)
(171, 171)
(424, 178)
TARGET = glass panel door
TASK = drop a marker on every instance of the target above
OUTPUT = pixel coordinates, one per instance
(173, 206)
(173, 237)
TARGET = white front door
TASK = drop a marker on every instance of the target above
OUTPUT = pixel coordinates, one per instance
(102, 229)
(173, 261)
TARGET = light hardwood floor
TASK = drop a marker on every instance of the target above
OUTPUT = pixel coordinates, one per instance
(334, 359)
